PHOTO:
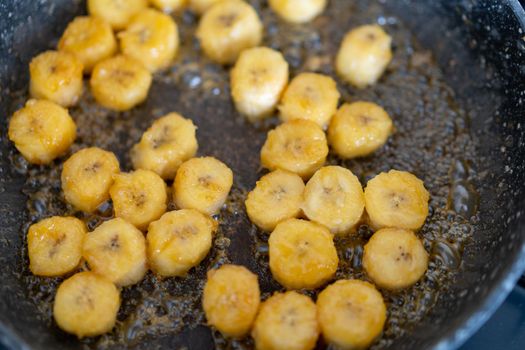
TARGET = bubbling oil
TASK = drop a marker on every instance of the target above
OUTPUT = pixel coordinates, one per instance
(431, 140)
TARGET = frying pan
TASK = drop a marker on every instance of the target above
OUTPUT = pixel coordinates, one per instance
(455, 92)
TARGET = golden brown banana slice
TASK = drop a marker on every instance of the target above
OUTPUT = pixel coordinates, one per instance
(56, 76)
(87, 176)
(298, 11)
(257, 81)
(351, 313)
(202, 184)
(139, 197)
(227, 28)
(178, 241)
(169, 5)
(334, 198)
(90, 39)
(395, 258)
(286, 321)
(120, 83)
(117, 251)
(298, 146)
(201, 6)
(42, 131)
(310, 96)
(364, 55)
(118, 13)
(358, 129)
(152, 38)
(54, 245)
(86, 305)
(302, 254)
(276, 197)
(168, 143)
(396, 199)
(231, 299)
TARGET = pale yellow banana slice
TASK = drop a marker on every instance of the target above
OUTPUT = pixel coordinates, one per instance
(334, 198)
(298, 11)
(169, 6)
(87, 176)
(152, 38)
(351, 313)
(86, 305)
(56, 76)
(396, 199)
(202, 184)
(364, 55)
(227, 28)
(358, 129)
(395, 258)
(231, 299)
(54, 245)
(257, 81)
(118, 13)
(168, 143)
(90, 39)
(276, 197)
(201, 6)
(42, 131)
(139, 197)
(302, 254)
(310, 96)
(117, 251)
(120, 83)
(298, 146)
(286, 321)
(178, 241)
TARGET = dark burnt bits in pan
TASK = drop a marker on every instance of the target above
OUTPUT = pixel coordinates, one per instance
(418, 101)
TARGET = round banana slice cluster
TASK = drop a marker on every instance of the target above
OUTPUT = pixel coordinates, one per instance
(120, 44)
(141, 234)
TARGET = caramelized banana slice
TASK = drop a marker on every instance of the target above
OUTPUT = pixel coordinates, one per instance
(395, 258)
(117, 251)
(120, 83)
(87, 176)
(231, 299)
(334, 198)
(257, 81)
(310, 96)
(178, 241)
(201, 6)
(168, 143)
(276, 197)
(54, 245)
(396, 199)
(227, 28)
(42, 131)
(358, 129)
(302, 254)
(90, 39)
(139, 197)
(56, 76)
(298, 146)
(286, 321)
(169, 5)
(351, 313)
(118, 13)
(364, 55)
(298, 11)
(152, 38)
(202, 184)
(86, 305)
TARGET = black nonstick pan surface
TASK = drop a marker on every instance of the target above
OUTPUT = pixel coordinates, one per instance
(455, 90)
